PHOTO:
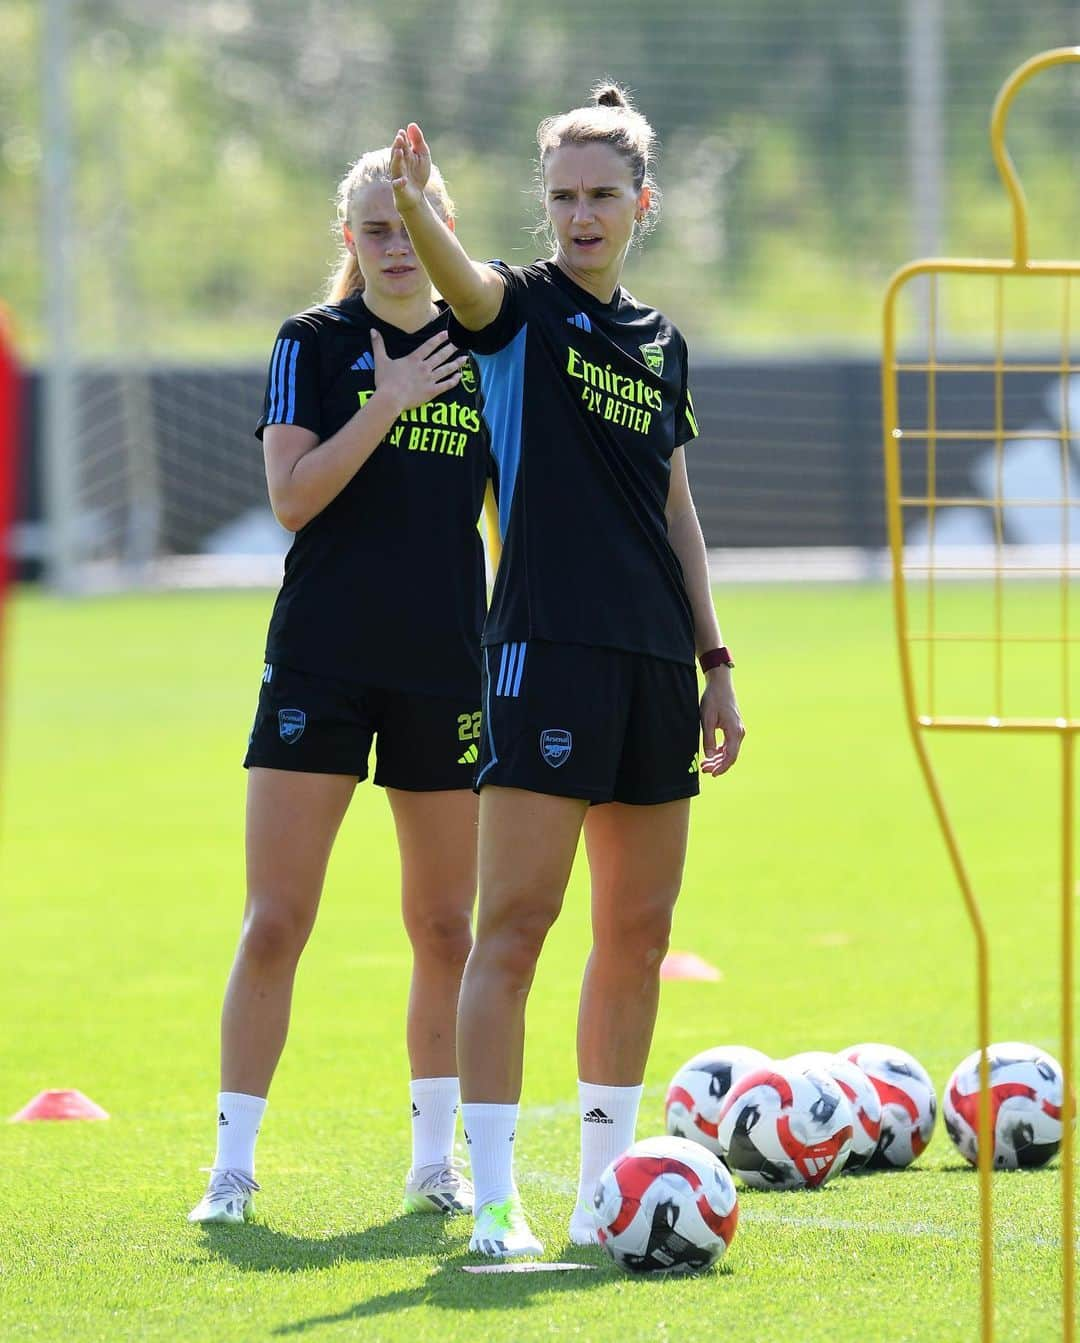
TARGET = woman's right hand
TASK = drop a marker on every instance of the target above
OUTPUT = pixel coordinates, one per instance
(432, 368)
(410, 167)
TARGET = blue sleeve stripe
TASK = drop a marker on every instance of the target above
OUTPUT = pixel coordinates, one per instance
(283, 388)
(275, 359)
(290, 414)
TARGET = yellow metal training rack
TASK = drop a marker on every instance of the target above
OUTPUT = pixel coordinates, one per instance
(928, 443)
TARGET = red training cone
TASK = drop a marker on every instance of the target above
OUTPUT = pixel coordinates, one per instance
(60, 1105)
(687, 965)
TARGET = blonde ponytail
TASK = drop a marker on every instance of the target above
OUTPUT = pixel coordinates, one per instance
(346, 280)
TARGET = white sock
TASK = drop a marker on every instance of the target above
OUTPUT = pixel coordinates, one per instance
(608, 1120)
(239, 1117)
(490, 1132)
(435, 1103)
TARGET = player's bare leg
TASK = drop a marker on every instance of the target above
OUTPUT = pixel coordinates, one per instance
(636, 857)
(292, 821)
(527, 846)
(437, 840)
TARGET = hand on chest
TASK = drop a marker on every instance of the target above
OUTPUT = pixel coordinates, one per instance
(446, 426)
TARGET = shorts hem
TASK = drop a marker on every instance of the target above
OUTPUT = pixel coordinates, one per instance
(579, 794)
(251, 762)
(381, 781)
(656, 800)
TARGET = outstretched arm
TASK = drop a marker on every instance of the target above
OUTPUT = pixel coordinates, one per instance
(474, 291)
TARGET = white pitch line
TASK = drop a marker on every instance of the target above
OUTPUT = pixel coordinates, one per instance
(559, 1184)
(559, 1110)
(554, 1184)
(893, 1228)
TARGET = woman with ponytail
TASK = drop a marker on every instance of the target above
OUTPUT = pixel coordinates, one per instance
(590, 697)
(376, 457)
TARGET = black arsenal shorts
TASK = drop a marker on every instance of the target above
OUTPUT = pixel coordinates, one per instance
(594, 723)
(320, 725)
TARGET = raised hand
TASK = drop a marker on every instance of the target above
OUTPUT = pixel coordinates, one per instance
(410, 167)
(432, 368)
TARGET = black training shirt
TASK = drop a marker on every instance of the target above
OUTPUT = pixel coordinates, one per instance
(586, 402)
(384, 587)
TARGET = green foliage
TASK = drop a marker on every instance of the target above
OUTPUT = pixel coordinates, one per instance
(209, 139)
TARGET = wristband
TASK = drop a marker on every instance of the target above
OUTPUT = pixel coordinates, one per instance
(716, 657)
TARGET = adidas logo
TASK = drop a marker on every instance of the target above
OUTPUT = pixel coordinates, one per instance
(580, 321)
(471, 756)
(597, 1116)
(222, 1121)
(415, 1109)
(366, 363)
(693, 766)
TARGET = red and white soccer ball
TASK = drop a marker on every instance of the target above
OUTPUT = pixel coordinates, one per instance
(859, 1093)
(784, 1129)
(1027, 1090)
(698, 1089)
(666, 1206)
(908, 1102)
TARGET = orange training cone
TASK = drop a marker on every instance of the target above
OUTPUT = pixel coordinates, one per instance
(687, 965)
(60, 1105)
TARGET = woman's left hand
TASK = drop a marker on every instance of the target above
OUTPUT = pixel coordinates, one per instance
(720, 712)
(410, 167)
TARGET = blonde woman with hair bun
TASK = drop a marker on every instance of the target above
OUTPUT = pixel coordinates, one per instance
(376, 457)
(592, 719)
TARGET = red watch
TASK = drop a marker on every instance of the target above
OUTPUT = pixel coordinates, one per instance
(716, 657)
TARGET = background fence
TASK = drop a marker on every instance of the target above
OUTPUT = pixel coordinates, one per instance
(788, 458)
(167, 176)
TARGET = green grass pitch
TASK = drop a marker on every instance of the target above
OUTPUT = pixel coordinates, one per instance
(816, 882)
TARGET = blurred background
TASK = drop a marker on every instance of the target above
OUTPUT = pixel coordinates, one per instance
(167, 178)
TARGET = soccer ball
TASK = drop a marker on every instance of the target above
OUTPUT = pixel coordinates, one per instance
(697, 1091)
(1027, 1088)
(666, 1206)
(908, 1103)
(859, 1093)
(783, 1129)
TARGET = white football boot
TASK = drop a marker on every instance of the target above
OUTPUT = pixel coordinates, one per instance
(501, 1232)
(438, 1188)
(229, 1198)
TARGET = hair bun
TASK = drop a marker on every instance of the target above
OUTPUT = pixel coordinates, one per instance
(609, 95)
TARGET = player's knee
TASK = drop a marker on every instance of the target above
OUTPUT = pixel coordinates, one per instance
(515, 942)
(639, 939)
(445, 938)
(274, 937)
